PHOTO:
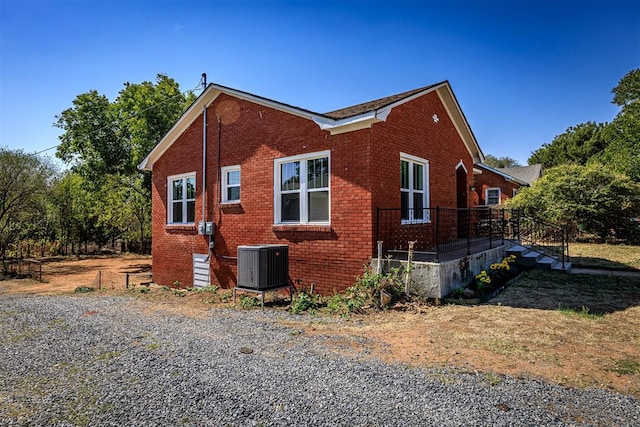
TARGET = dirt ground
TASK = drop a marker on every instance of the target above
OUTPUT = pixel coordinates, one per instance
(514, 335)
(62, 276)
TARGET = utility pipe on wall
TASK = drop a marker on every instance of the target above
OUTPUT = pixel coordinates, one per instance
(204, 161)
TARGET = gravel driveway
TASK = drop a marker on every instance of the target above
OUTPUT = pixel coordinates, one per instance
(96, 360)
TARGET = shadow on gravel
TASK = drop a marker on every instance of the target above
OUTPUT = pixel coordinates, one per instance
(550, 290)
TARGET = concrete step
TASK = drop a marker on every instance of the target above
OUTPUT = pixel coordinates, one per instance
(527, 257)
(530, 259)
(518, 250)
(546, 263)
(558, 266)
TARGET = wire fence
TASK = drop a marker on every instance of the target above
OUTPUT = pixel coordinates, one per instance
(22, 267)
(112, 280)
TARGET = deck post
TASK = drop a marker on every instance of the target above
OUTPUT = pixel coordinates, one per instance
(502, 225)
(379, 267)
(490, 228)
(407, 282)
(437, 226)
(377, 223)
(468, 231)
(563, 247)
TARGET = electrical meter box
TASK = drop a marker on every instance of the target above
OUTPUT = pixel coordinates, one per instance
(205, 228)
(208, 228)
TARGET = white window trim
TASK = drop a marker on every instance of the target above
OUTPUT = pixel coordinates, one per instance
(426, 194)
(170, 200)
(486, 195)
(277, 193)
(225, 185)
(514, 192)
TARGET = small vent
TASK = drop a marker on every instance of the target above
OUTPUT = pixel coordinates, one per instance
(263, 267)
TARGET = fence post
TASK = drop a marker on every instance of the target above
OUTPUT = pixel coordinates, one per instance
(378, 269)
(100, 280)
(126, 281)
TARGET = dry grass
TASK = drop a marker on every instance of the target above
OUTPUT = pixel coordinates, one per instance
(581, 331)
(615, 257)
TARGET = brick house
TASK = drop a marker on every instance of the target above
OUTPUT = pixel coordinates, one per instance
(266, 172)
(491, 187)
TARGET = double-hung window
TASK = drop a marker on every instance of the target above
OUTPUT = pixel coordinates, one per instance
(414, 188)
(492, 196)
(302, 189)
(231, 184)
(182, 199)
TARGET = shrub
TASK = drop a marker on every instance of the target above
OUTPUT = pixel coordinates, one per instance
(304, 302)
(247, 302)
(367, 291)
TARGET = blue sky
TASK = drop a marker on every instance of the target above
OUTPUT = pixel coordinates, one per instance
(522, 71)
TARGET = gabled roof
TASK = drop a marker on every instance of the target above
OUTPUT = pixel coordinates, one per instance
(376, 104)
(502, 174)
(527, 174)
(347, 119)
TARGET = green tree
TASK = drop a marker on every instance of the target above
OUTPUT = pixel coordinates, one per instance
(623, 133)
(24, 183)
(627, 91)
(500, 162)
(575, 146)
(593, 199)
(105, 141)
(102, 137)
(77, 206)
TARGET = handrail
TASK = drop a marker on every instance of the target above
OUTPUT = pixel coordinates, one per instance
(544, 237)
(441, 230)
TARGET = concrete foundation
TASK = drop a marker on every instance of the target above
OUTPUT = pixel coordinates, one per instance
(436, 280)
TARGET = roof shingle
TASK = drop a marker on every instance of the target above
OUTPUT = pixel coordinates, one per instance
(365, 107)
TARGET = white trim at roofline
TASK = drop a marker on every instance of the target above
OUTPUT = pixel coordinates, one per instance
(349, 124)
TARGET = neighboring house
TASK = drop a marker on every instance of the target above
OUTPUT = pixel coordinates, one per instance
(266, 172)
(527, 174)
(492, 186)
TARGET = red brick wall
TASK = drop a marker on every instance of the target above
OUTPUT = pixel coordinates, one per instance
(410, 129)
(488, 179)
(253, 136)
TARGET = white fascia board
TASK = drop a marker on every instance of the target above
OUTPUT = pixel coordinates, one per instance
(361, 121)
(179, 127)
(210, 94)
(268, 103)
(459, 121)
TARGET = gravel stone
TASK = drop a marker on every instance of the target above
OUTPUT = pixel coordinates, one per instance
(114, 361)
